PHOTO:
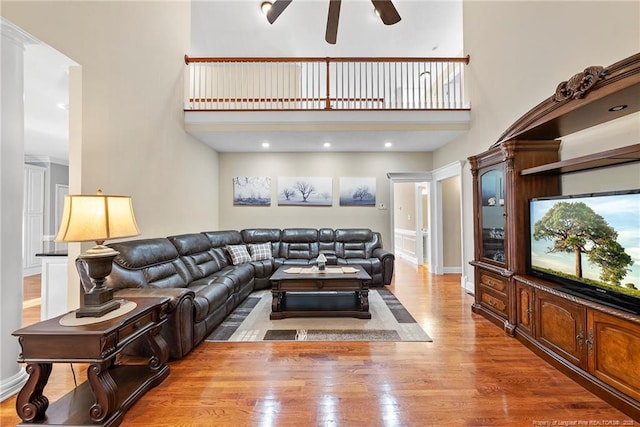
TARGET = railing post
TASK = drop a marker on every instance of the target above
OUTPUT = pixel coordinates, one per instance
(327, 102)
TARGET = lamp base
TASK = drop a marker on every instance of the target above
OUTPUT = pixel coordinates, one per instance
(93, 267)
(98, 303)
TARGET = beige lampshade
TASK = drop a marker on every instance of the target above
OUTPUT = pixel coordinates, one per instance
(96, 218)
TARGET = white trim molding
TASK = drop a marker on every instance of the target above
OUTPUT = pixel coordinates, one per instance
(16, 34)
(410, 176)
(406, 248)
(448, 171)
(13, 384)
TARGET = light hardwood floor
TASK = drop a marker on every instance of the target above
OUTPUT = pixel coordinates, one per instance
(470, 375)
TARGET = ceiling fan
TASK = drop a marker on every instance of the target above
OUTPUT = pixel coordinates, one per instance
(384, 8)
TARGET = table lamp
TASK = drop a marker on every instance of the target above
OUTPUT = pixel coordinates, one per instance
(99, 217)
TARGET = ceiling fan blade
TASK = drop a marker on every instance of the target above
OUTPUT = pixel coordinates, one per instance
(387, 11)
(276, 9)
(331, 34)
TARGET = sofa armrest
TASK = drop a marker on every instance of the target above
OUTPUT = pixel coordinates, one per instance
(177, 295)
(178, 330)
(387, 259)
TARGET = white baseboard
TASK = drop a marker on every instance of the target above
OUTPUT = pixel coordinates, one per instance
(12, 385)
(32, 271)
(412, 259)
(468, 286)
(452, 270)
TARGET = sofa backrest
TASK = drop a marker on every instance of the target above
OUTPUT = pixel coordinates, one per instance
(299, 243)
(197, 255)
(326, 240)
(147, 263)
(219, 240)
(356, 242)
(263, 235)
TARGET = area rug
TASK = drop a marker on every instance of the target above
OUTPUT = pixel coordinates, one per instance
(390, 321)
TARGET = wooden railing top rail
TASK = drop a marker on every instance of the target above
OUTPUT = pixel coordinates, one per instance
(189, 60)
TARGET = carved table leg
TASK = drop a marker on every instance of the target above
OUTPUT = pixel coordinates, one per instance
(159, 348)
(31, 404)
(276, 302)
(105, 390)
(364, 300)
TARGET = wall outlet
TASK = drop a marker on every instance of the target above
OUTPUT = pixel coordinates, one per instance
(382, 205)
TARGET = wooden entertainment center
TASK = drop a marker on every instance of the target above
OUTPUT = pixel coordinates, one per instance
(595, 344)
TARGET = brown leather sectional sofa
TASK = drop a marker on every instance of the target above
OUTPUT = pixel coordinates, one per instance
(198, 272)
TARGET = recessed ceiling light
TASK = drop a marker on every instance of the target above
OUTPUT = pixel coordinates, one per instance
(266, 7)
(326, 144)
(265, 145)
(388, 144)
(618, 108)
(63, 106)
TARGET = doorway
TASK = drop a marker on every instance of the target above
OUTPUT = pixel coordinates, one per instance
(435, 202)
(47, 97)
(410, 225)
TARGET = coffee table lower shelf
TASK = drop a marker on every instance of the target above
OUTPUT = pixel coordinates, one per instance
(72, 408)
(324, 304)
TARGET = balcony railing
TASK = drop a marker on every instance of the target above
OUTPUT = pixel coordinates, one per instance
(268, 84)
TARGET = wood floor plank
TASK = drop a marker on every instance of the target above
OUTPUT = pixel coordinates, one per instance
(470, 375)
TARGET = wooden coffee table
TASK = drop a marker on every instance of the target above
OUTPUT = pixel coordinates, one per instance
(312, 293)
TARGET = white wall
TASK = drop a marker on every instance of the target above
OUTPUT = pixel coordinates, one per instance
(332, 165)
(618, 133)
(404, 205)
(520, 51)
(132, 135)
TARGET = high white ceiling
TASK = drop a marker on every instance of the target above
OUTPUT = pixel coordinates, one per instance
(238, 28)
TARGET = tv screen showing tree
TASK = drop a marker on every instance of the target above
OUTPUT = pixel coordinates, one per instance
(588, 239)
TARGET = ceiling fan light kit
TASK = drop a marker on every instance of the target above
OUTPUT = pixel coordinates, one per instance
(265, 6)
(383, 8)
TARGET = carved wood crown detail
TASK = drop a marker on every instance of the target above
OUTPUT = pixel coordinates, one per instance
(577, 86)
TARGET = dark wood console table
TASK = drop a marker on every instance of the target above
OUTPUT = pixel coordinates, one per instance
(117, 377)
(320, 293)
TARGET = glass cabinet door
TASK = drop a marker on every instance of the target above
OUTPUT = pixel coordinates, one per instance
(493, 214)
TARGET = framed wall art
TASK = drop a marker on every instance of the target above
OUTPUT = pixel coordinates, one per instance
(357, 191)
(305, 191)
(252, 191)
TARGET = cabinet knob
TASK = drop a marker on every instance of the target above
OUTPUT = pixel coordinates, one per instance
(580, 338)
(590, 341)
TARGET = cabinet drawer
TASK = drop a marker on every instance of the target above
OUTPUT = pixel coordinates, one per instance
(494, 302)
(495, 282)
(134, 326)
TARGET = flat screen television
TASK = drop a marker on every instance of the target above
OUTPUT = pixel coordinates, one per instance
(590, 245)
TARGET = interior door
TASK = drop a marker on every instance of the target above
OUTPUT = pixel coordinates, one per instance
(32, 218)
